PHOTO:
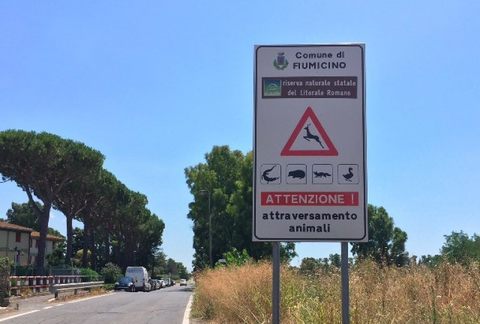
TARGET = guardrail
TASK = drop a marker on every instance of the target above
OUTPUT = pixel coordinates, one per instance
(56, 289)
(38, 284)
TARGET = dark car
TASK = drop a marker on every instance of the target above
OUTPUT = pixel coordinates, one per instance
(125, 283)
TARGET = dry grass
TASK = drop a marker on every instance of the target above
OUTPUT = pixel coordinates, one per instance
(416, 294)
(232, 295)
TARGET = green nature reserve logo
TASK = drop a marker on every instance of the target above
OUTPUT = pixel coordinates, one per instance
(272, 88)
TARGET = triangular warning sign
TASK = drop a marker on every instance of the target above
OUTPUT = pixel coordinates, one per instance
(317, 142)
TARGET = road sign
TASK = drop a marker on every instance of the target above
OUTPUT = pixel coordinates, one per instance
(310, 163)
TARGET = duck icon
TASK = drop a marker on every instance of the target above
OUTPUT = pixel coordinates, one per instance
(348, 176)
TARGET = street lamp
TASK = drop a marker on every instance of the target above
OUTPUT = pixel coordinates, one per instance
(203, 191)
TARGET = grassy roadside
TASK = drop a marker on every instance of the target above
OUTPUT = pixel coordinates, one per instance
(416, 294)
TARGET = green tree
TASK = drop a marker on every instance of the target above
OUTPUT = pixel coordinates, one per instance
(182, 271)
(386, 243)
(460, 248)
(431, 261)
(159, 266)
(240, 208)
(150, 238)
(224, 183)
(24, 215)
(54, 232)
(309, 266)
(77, 242)
(172, 267)
(107, 198)
(74, 198)
(78, 259)
(102, 218)
(335, 260)
(237, 258)
(287, 251)
(42, 165)
(68, 176)
(57, 257)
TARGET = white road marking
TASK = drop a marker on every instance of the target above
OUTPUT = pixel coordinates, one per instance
(47, 307)
(14, 316)
(186, 315)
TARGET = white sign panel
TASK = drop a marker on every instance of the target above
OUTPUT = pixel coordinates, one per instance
(310, 163)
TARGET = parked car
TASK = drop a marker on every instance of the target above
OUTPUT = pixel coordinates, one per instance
(183, 282)
(164, 283)
(125, 283)
(140, 278)
(155, 284)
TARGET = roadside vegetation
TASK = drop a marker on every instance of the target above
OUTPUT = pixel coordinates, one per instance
(444, 293)
(62, 174)
(68, 176)
(387, 285)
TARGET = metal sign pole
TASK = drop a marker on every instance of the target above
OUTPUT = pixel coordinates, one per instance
(345, 285)
(276, 283)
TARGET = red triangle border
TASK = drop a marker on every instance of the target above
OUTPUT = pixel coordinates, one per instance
(287, 149)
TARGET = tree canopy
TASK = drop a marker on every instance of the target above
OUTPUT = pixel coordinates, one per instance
(222, 186)
(24, 215)
(42, 164)
(69, 176)
(460, 248)
(386, 242)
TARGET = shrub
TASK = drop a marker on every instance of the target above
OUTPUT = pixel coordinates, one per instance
(89, 274)
(109, 286)
(111, 273)
(237, 258)
(5, 264)
(22, 270)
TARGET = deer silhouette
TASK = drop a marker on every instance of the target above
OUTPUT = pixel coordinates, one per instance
(311, 136)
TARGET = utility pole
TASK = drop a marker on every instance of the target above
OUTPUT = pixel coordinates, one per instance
(209, 228)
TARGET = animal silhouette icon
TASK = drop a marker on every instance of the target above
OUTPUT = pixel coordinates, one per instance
(348, 176)
(321, 174)
(297, 174)
(266, 177)
(310, 136)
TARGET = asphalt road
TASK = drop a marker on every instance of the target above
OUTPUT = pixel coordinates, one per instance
(160, 306)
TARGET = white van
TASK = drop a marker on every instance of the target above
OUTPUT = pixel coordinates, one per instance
(140, 278)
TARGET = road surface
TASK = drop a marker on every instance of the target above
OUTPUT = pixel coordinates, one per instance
(160, 306)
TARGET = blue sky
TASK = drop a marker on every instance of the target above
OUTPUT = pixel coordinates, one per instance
(154, 85)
